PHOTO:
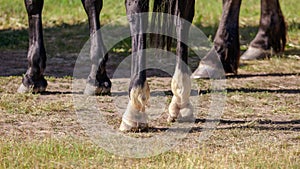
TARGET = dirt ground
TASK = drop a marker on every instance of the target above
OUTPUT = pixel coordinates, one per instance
(262, 101)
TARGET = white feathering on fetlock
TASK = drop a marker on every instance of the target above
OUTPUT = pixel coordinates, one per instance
(180, 107)
(135, 117)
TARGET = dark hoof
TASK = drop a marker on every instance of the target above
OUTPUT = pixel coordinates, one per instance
(38, 87)
(97, 90)
(127, 126)
(24, 89)
(255, 53)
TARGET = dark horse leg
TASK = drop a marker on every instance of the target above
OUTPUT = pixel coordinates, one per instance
(226, 44)
(271, 33)
(33, 80)
(98, 81)
(135, 117)
(180, 106)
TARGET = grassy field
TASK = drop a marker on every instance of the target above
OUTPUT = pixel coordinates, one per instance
(260, 126)
(66, 18)
(258, 129)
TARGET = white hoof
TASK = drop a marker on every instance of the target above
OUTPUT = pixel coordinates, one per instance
(186, 114)
(181, 114)
(127, 126)
(133, 119)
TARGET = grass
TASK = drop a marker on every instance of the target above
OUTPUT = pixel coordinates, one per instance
(66, 19)
(70, 153)
(57, 12)
(41, 131)
(276, 62)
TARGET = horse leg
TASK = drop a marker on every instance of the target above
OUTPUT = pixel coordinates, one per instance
(226, 44)
(271, 33)
(33, 80)
(135, 117)
(180, 106)
(98, 82)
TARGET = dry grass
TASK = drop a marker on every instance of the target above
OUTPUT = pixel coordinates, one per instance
(259, 128)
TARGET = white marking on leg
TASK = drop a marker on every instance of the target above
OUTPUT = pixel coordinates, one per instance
(135, 117)
(180, 106)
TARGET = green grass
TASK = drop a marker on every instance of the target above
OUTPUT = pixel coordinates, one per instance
(31, 104)
(41, 131)
(33, 126)
(59, 15)
(70, 153)
(273, 65)
(57, 12)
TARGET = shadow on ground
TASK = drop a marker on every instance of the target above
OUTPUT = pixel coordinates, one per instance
(63, 44)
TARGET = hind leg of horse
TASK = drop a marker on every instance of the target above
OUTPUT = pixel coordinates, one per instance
(98, 82)
(135, 117)
(271, 33)
(180, 107)
(33, 80)
(226, 49)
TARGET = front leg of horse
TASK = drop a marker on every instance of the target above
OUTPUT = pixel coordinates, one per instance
(98, 82)
(135, 117)
(271, 36)
(34, 81)
(180, 107)
(226, 49)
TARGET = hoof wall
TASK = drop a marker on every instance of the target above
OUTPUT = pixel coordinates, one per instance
(133, 127)
(94, 90)
(255, 53)
(24, 89)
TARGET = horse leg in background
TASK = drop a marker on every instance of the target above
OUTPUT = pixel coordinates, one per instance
(135, 117)
(98, 82)
(33, 80)
(226, 45)
(180, 107)
(271, 33)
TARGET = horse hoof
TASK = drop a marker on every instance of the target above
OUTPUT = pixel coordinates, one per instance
(200, 73)
(255, 53)
(24, 89)
(134, 119)
(128, 126)
(208, 72)
(40, 89)
(185, 114)
(97, 90)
